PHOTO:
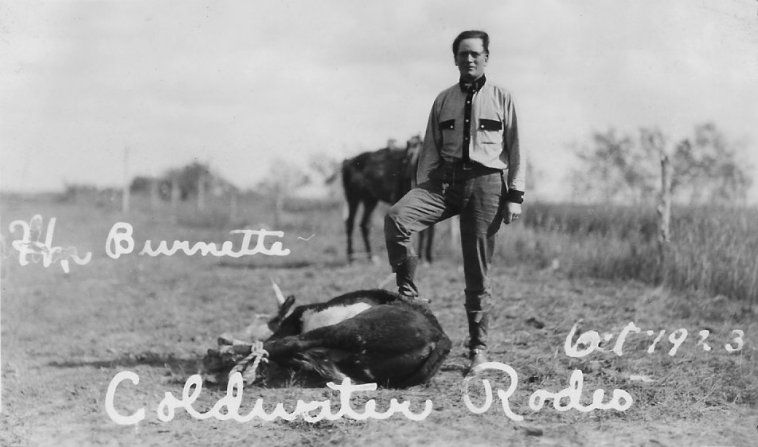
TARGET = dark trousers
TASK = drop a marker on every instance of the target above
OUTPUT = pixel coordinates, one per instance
(476, 195)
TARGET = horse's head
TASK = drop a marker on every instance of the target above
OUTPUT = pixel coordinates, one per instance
(412, 150)
(410, 161)
(414, 143)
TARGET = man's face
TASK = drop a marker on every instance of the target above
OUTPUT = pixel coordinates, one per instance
(471, 58)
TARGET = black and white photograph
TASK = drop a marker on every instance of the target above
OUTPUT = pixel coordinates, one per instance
(389, 223)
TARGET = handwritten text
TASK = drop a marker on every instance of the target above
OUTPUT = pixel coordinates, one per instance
(228, 406)
(31, 248)
(591, 341)
(121, 242)
(620, 400)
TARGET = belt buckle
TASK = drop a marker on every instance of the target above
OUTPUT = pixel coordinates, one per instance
(466, 166)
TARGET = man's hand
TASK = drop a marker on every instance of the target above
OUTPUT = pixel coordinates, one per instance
(512, 212)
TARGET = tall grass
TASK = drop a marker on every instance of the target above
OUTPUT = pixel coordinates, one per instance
(715, 250)
(711, 250)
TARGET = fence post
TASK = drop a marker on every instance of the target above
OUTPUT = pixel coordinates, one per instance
(233, 205)
(154, 193)
(175, 196)
(664, 213)
(125, 196)
(201, 184)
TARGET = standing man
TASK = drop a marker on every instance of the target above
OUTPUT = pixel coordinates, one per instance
(470, 165)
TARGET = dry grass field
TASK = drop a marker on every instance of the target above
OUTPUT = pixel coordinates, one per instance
(65, 336)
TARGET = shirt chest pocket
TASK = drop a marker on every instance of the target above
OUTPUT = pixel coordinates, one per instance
(447, 125)
(490, 131)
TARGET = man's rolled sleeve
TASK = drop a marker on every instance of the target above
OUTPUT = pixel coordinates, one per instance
(512, 152)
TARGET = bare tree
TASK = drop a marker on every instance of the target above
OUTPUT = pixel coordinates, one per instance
(187, 178)
(656, 143)
(324, 169)
(614, 169)
(620, 168)
(708, 167)
(284, 177)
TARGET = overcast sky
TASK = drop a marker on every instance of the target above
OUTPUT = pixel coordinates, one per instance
(244, 84)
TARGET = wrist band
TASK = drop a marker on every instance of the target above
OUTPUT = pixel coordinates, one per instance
(515, 196)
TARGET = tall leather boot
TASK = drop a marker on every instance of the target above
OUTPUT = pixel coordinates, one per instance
(477, 329)
(404, 274)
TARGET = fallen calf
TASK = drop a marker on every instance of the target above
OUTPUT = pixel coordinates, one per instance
(371, 336)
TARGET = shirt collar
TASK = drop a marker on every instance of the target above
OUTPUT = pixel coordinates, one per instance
(475, 86)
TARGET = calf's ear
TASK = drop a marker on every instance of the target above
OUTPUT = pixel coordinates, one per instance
(286, 306)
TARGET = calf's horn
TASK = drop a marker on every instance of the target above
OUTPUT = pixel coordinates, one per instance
(278, 293)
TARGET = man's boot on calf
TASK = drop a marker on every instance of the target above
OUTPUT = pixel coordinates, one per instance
(404, 274)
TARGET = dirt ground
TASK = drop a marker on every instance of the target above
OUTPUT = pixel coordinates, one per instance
(65, 337)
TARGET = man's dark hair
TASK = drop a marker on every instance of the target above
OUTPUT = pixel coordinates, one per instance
(469, 35)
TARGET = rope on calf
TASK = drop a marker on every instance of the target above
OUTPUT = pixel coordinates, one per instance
(248, 366)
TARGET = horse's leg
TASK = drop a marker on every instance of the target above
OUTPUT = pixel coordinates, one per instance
(428, 236)
(352, 208)
(368, 208)
(420, 245)
(425, 245)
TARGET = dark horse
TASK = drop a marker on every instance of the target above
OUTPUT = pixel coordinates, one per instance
(383, 175)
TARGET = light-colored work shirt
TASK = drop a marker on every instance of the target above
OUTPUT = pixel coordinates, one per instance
(481, 118)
